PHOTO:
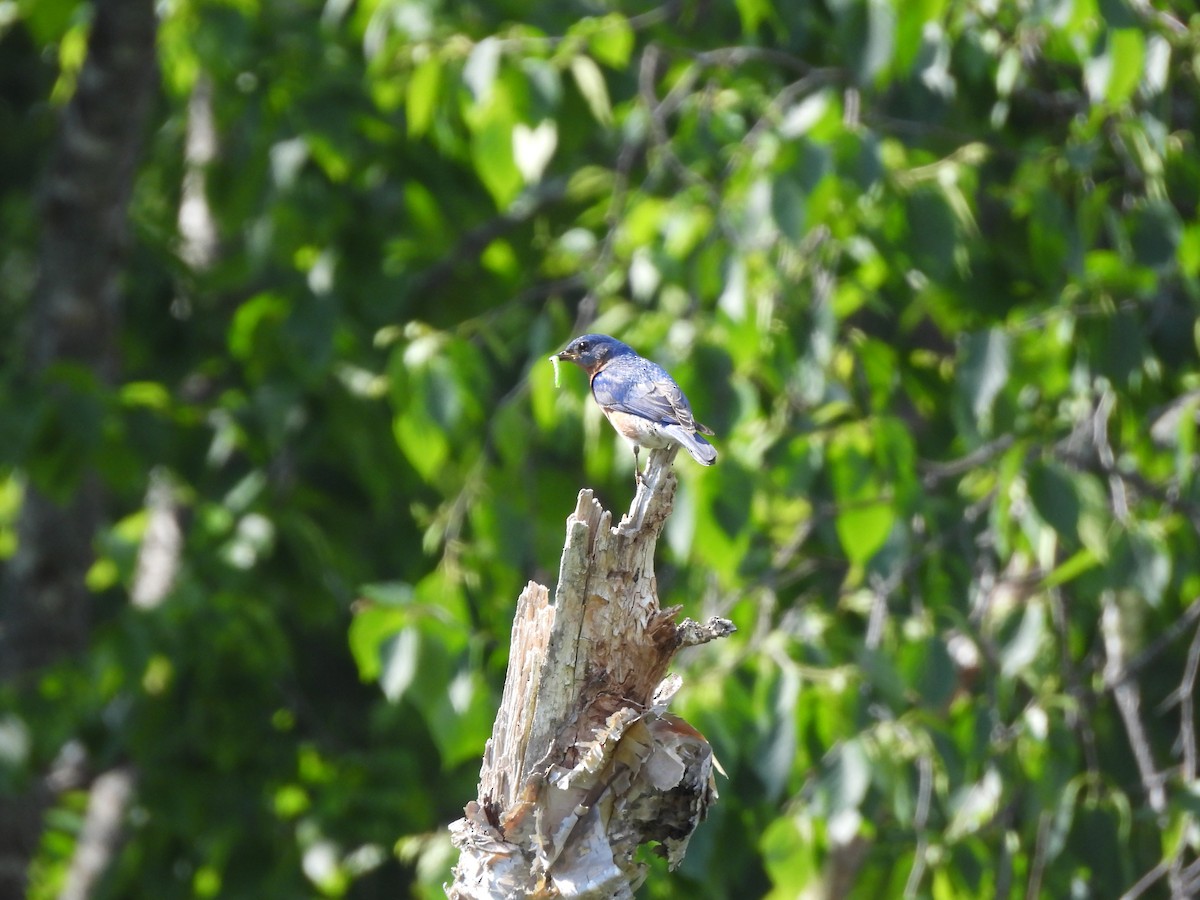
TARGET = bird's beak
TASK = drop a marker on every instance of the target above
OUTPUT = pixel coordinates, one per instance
(566, 356)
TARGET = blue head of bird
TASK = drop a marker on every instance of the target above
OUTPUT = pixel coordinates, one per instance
(591, 351)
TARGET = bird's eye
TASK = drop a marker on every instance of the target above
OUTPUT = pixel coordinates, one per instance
(583, 346)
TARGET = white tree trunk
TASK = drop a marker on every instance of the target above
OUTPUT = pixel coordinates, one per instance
(585, 763)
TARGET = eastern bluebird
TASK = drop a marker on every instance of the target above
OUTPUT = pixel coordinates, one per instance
(639, 398)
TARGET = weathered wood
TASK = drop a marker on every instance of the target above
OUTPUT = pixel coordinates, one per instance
(585, 763)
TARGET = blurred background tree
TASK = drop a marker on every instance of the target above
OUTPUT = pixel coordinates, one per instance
(931, 270)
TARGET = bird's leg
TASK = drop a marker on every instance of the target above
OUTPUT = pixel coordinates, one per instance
(637, 469)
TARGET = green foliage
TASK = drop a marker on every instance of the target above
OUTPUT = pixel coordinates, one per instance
(931, 271)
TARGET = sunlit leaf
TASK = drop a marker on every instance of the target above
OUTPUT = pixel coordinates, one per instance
(422, 96)
(880, 39)
(611, 40)
(753, 13)
(259, 312)
(479, 73)
(1072, 568)
(533, 148)
(1114, 74)
(983, 372)
(590, 81)
(865, 514)
(1027, 644)
(789, 858)
(370, 630)
(778, 753)
(460, 718)
(399, 657)
(974, 806)
(492, 155)
(845, 778)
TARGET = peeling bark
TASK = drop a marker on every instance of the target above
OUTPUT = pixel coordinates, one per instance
(585, 763)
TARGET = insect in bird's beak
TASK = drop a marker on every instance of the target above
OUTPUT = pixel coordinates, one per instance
(554, 361)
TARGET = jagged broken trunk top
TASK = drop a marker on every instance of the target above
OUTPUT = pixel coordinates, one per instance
(585, 763)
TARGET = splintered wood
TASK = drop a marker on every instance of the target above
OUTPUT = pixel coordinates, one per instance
(585, 763)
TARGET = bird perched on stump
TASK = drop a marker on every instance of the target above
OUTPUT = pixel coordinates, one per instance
(638, 398)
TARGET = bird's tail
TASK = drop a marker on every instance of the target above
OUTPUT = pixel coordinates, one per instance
(702, 451)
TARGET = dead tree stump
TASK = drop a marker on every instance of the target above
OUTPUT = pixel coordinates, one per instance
(584, 763)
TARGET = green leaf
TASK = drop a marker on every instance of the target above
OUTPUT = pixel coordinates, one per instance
(590, 81)
(370, 630)
(399, 658)
(492, 155)
(436, 386)
(778, 753)
(425, 215)
(1188, 250)
(864, 516)
(1051, 234)
(1095, 517)
(1155, 230)
(974, 806)
(422, 96)
(915, 21)
(787, 204)
(881, 671)
(929, 671)
(1114, 74)
(1143, 564)
(753, 13)
(681, 526)
(720, 526)
(479, 72)
(880, 43)
(533, 148)
(1026, 645)
(685, 228)
(422, 440)
(47, 20)
(148, 394)
(845, 778)
(260, 311)
(789, 857)
(544, 394)
(389, 593)
(330, 155)
(1083, 561)
(1008, 71)
(984, 370)
(935, 232)
(459, 711)
(611, 40)
(1052, 490)
(1064, 817)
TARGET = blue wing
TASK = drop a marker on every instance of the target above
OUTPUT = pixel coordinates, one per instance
(634, 385)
